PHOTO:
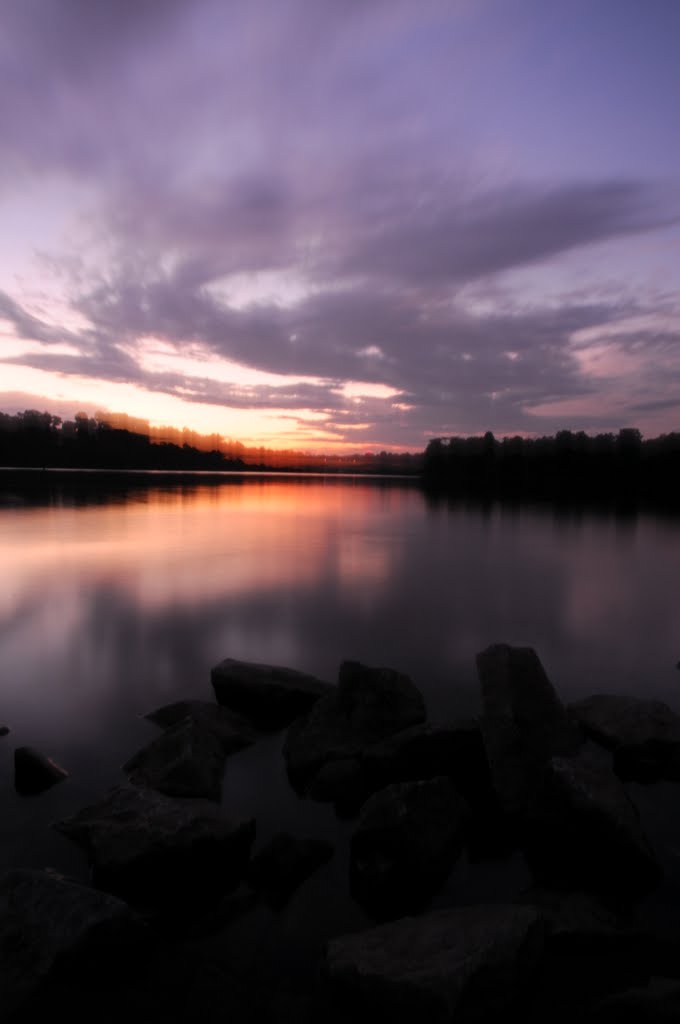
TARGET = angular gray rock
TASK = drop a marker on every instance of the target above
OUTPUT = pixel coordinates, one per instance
(185, 761)
(405, 843)
(643, 734)
(34, 773)
(368, 705)
(150, 848)
(463, 964)
(269, 696)
(233, 731)
(582, 828)
(52, 929)
(284, 864)
(524, 722)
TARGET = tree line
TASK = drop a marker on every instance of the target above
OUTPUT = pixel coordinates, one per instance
(565, 465)
(103, 441)
(38, 439)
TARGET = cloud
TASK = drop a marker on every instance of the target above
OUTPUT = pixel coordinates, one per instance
(28, 326)
(340, 149)
(445, 241)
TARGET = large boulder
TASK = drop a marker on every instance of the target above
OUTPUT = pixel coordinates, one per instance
(524, 722)
(269, 696)
(185, 761)
(284, 864)
(643, 734)
(405, 843)
(53, 931)
(151, 848)
(463, 964)
(34, 773)
(233, 731)
(368, 705)
(583, 829)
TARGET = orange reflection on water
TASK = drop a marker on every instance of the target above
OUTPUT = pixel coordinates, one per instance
(196, 543)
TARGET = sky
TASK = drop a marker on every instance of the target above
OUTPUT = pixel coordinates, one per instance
(342, 224)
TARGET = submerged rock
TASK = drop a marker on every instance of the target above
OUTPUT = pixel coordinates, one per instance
(408, 837)
(524, 722)
(583, 829)
(54, 930)
(285, 863)
(151, 848)
(643, 734)
(466, 963)
(186, 761)
(368, 705)
(233, 731)
(270, 696)
(34, 773)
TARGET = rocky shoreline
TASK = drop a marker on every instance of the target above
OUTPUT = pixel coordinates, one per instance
(155, 936)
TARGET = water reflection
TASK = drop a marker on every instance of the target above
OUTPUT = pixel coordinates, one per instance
(112, 608)
(190, 547)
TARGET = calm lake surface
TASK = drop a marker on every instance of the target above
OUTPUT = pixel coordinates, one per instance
(117, 599)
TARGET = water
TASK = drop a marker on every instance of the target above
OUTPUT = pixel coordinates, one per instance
(117, 598)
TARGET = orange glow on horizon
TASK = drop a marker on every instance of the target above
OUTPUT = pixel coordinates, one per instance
(308, 431)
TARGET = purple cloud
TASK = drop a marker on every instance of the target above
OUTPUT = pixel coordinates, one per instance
(386, 159)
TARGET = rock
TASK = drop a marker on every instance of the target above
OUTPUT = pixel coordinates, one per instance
(34, 773)
(321, 737)
(524, 722)
(4, 730)
(461, 964)
(590, 950)
(269, 696)
(577, 922)
(151, 848)
(643, 734)
(378, 701)
(583, 829)
(426, 751)
(661, 940)
(284, 863)
(233, 731)
(368, 705)
(658, 1003)
(185, 761)
(341, 782)
(53, 930)
(455, 750)
(407, 839)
